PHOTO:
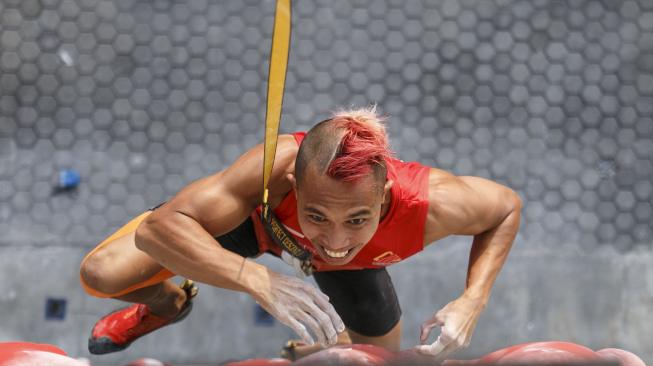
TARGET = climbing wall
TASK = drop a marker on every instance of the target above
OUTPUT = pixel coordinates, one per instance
(552, 98)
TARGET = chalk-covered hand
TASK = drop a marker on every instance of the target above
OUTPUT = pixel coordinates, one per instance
(457, 321)
(300, 306)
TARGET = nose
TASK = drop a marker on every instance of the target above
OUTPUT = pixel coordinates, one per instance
(336, 240)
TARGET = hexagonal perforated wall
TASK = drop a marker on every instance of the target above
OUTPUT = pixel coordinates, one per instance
(551, 98)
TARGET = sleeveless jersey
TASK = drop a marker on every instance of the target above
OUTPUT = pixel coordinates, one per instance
(400, 233)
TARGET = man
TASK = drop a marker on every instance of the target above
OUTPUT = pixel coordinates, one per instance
(344, 198)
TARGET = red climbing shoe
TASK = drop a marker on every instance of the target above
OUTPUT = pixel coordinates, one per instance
(119, 329)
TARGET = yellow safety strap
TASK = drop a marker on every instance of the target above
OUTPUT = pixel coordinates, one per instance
(276, 83)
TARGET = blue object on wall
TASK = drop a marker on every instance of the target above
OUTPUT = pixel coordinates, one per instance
(55, 309)
(262, 317)
(68, 179)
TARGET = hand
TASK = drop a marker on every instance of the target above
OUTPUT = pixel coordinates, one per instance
(457, 321)
(299, 305)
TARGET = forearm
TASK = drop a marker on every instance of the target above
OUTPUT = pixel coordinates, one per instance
(184, 247)
(488, 254)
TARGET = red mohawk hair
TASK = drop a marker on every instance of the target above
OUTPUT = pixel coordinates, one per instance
(364, 145)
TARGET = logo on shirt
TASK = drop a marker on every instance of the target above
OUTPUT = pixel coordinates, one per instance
(386, 259)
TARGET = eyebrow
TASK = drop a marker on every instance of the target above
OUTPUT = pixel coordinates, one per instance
(313, 210)
(360, 212)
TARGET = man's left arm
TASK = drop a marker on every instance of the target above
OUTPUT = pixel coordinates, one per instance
(497, 232)
(491, 213)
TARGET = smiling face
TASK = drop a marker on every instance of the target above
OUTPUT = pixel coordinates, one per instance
(340, 183)
(338, 217)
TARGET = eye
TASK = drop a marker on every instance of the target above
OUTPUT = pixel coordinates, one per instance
(357, 222)
(316, 218)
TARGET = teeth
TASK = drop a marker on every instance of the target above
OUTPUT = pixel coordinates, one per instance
(336, 254)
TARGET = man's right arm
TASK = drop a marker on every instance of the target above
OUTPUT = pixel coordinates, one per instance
(180, 234)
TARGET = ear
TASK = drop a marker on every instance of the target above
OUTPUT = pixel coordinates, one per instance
(386, 188)
(291, 178)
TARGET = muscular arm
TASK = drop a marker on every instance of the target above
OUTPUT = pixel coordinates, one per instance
(482, 208)
(489, 212)
(180, 234)
(490, 247)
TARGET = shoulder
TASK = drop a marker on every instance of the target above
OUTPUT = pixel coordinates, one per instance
(284, 164)
(461, 192)
(467, 205)
(443, 188)
(284, 161)
(244, 177)
(236, 190)
(441, 182)
(450, 205)
(411, 176)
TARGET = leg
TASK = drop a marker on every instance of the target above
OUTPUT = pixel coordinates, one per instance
(390, 341)
(367, 302)
(117, 269)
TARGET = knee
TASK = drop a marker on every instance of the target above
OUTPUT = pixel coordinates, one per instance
(96, 276)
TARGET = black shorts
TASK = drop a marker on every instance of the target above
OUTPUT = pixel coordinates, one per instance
(365, 299)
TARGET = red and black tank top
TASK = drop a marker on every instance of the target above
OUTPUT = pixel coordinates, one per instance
(400, 233)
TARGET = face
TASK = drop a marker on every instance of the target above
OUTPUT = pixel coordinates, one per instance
(339, 218)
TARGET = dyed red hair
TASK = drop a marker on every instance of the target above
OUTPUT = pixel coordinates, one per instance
(363, 146)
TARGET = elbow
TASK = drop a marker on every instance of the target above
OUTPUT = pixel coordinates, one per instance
(512, 208)
(144, 237)
(153, 234)
(517, 203)
(515, 211)
(513, 202)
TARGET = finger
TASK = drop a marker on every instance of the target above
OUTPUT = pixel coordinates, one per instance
(426, 330)
(431, 349)
(447, 335)
(325, 322)
(443, 354)
(423, 349)
(301, 331)
(322, 295)
(323, 302)
(319, 296)
(313, 325)
(428, 326)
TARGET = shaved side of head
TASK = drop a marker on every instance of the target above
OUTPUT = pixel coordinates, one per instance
(318, 148)
(351, 145)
